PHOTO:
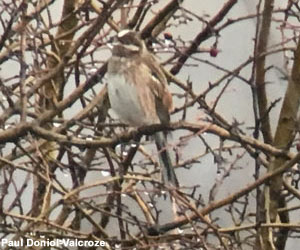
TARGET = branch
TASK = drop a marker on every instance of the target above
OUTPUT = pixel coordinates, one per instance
(202, 36)
(261, 72)
(160, 229)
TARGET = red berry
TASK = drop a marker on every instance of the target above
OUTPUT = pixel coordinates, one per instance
(213, 51)
(168, 36)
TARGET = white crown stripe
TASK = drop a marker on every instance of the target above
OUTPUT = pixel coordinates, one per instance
(123, 33)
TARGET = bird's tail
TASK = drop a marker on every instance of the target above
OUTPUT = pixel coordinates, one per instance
(168, 172)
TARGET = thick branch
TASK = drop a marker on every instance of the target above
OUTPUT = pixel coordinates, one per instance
(260, 71)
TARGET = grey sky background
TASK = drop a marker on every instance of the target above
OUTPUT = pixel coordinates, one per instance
(236, 45)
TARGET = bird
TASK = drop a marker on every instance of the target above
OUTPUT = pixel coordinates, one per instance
(138, 92)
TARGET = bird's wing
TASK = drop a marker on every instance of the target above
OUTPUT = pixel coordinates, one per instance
(158, 84)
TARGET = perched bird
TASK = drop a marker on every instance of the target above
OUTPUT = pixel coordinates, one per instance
(138, 93)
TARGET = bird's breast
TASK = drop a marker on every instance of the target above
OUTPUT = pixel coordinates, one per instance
(125, 101)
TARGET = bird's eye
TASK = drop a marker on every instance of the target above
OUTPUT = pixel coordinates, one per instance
(129, 37)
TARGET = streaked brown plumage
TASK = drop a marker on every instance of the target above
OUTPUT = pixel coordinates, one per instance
(138, 91)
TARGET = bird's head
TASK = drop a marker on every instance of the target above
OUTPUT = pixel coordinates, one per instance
(128, 42)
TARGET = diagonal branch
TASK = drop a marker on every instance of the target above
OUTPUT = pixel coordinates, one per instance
(202, 36)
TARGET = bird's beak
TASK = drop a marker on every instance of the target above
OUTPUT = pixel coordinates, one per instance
(112, 42)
